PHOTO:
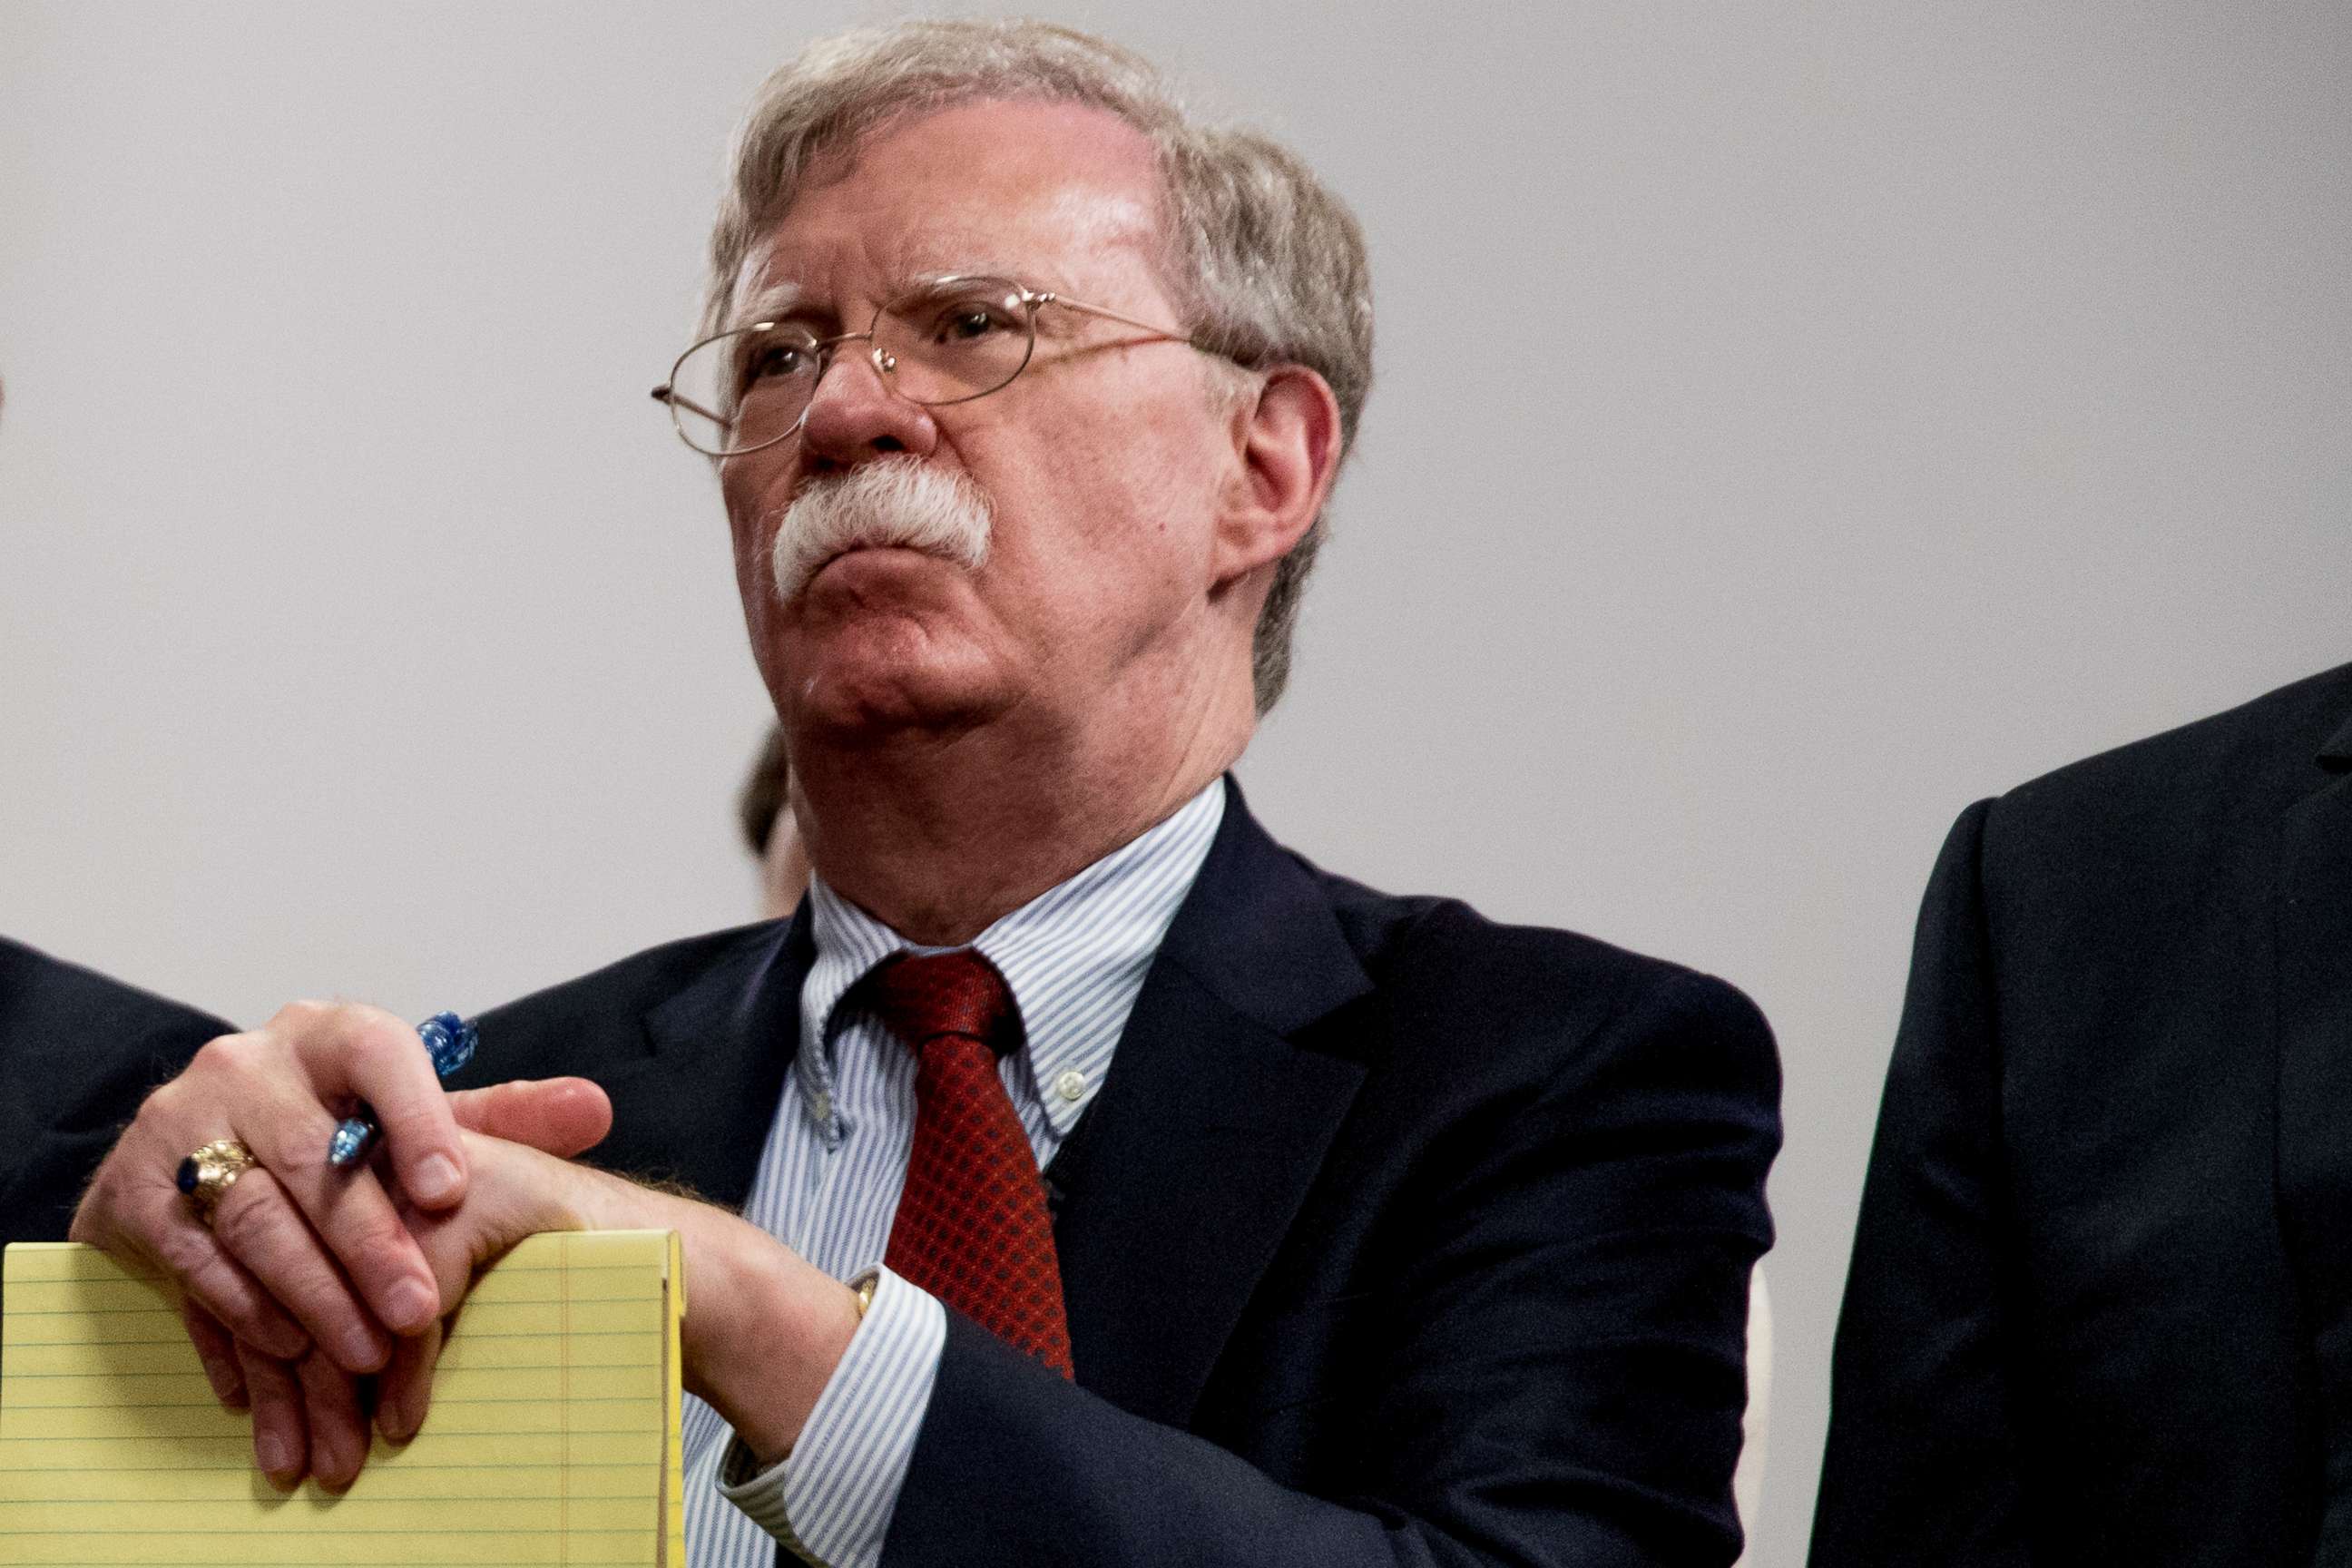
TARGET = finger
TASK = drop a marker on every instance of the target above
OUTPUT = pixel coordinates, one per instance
(366, 1053)
(517, 1192)
(281, 1443)
(404, 1391)
(338, 1433)
(561, 1116)
(264, 1091)
(135, 1212)
(348, 1212)
(217, 1350)
(168, 1233)
(260, 1227)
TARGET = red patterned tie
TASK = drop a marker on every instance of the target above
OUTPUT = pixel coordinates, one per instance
(971, 1227)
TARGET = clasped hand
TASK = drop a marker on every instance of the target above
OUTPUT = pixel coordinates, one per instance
(312, 1280)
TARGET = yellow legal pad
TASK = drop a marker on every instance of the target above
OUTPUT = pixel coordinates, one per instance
(553, 1437)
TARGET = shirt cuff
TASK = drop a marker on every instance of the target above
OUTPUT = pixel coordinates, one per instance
(830, 1498)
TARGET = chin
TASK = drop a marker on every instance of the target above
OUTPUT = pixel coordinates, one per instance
(880, 675)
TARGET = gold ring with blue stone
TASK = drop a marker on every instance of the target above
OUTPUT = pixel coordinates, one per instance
(206, 1175)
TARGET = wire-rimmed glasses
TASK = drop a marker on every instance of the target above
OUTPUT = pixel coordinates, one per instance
(950, 340)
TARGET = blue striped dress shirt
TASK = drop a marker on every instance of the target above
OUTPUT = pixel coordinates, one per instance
(835, 1159)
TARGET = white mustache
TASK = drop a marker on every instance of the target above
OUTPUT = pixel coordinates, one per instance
(901, 502)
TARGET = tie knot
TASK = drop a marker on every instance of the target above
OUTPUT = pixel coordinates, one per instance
(921, 997)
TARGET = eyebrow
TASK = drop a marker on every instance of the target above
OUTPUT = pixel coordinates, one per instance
(765, 304)
(779, 299)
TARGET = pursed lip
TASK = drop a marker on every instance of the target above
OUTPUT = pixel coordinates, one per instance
(867, 547)
(863, 547)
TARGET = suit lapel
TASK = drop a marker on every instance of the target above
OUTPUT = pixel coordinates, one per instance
(2313, 917)
(698, 1108)
(1246, 1047)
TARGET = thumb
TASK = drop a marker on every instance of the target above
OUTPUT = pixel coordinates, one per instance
(561, 1116)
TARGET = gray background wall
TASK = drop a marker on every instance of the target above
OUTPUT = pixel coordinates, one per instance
(1795, 420)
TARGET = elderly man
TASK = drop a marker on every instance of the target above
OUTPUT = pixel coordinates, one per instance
(1114, 1186)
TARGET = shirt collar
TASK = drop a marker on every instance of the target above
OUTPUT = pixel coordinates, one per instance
(1074, 957)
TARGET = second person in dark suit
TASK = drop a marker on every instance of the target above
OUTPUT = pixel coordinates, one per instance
(78, 1053)
(2100, 1308)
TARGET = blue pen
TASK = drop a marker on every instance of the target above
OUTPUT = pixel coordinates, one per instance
(449, 1040)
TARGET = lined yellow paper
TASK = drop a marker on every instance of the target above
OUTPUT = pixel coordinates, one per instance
(553, 1437)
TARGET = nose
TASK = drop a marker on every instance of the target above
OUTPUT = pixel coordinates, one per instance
(854, 415)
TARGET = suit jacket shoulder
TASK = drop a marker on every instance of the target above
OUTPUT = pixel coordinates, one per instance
(1549, 996)
(2173, 792)
(2126, 910)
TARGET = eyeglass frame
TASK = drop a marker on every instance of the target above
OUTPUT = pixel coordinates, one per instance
(1032, 300)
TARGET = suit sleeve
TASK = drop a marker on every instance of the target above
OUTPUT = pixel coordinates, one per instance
(1922, 1461)
(1558, 1380)
(78, 1053)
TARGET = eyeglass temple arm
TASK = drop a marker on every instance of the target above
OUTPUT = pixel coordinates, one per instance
(680, 400)
(1069, 304)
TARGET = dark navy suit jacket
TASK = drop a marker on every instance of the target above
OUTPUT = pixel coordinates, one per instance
(2100, 1310)
(78, 1053)
(1394, 1236)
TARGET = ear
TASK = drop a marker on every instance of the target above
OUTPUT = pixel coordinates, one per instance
(1287, 440)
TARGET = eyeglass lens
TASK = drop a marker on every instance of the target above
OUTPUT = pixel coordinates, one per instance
(939, 344)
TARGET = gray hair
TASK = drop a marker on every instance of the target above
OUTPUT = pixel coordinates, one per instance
(1267, 266)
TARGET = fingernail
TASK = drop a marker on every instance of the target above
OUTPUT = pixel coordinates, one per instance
(415, 1399)
(283, 1340)
(433, 1180)
(412, 1304)
(361, 1351)
(271, 1449)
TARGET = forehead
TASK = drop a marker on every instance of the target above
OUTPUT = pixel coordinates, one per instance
(1053, 192)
